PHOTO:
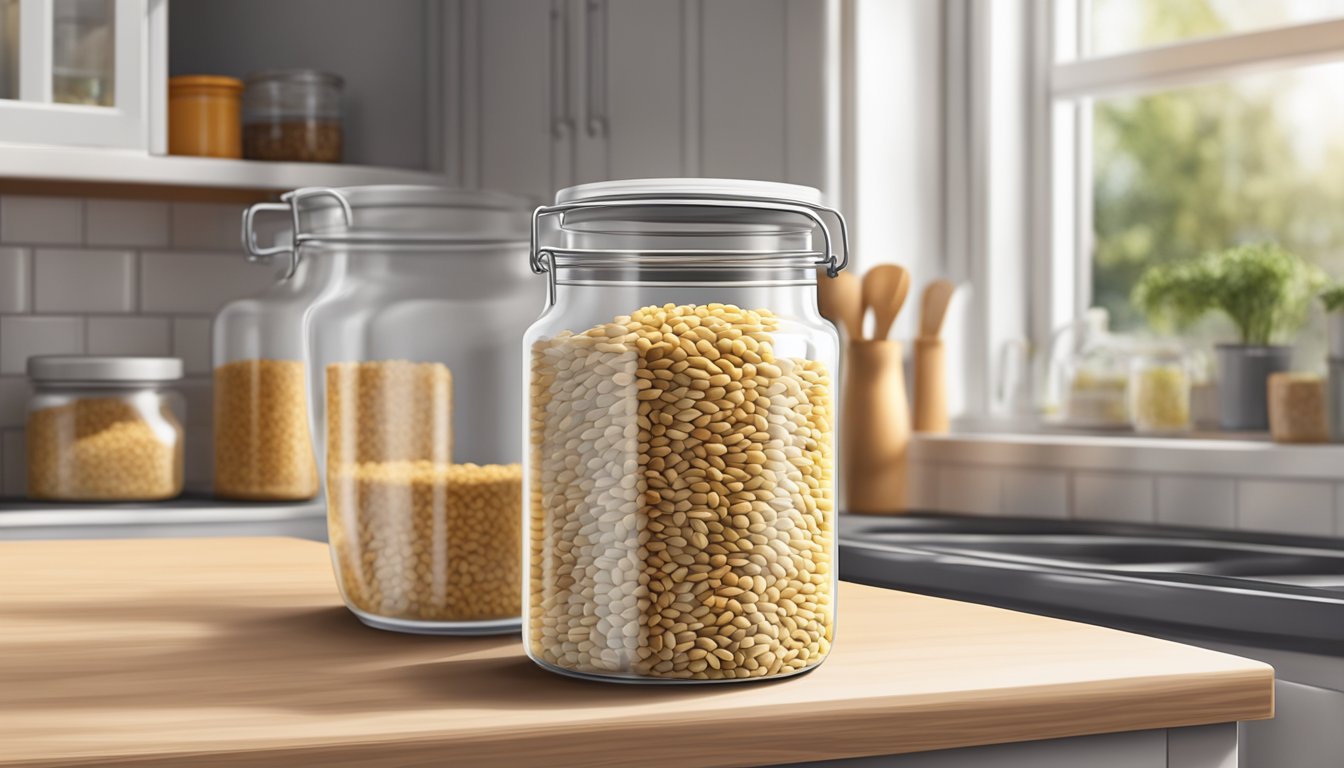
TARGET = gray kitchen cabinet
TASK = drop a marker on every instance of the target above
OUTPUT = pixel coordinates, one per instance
(540, 95)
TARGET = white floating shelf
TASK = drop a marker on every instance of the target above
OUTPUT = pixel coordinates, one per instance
(113, 166)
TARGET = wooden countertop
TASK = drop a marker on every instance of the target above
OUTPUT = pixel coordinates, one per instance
(238, 651)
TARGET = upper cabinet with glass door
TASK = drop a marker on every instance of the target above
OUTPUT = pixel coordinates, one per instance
(76, 72)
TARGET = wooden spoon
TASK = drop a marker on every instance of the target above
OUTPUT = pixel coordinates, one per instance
(933, 307)
(841, 301)
(884, 290)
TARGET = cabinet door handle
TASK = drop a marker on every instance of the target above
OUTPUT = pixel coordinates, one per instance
(595, 74)
(559, 43)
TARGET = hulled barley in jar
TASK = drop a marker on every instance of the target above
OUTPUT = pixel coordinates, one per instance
(681, 471)
(414, 356)
(104, 429)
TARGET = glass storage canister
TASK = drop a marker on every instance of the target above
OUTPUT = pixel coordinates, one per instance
(293, 115)
(681, 471)
(263, 438)
(417, 381)
(1159, 391)
(104, 428)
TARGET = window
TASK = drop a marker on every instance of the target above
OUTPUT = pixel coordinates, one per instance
(1184, 127)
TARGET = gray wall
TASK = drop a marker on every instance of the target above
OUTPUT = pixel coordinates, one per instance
(380, 48)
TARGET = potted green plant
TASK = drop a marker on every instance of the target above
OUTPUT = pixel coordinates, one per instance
(1263, 289)
(1333, 299)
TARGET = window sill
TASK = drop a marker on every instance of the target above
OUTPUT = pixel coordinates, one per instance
(1234, 456)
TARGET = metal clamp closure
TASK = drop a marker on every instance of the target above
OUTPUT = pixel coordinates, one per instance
(290, 202)
(542, 259)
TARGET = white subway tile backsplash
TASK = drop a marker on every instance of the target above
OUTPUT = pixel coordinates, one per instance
(187, 282)
(200, 401)
(1034, 493)
(14, 477)
(192, 343)
(199, 471)
(1114, 496)
(24, 336)
(84, 281)
(1285, 506)
(14, 391)
(16, 270)
(138, 223)
(41, 220)
(129, 336)
(207, 226)
(1206, 502)
(973, 490)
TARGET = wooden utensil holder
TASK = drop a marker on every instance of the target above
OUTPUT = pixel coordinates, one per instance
(930, 385)
(876, 428)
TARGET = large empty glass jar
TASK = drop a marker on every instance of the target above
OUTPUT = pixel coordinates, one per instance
(681, 477)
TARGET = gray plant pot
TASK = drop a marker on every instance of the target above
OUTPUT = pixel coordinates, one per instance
(1334, 331)
(1243, 382)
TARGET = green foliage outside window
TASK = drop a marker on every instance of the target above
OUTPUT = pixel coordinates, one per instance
(1185, 173)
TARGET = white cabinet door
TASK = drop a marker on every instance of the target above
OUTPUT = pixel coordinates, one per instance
(763, 88)
(523, 98)
(78, 71)
(743, 94)
(633, 89)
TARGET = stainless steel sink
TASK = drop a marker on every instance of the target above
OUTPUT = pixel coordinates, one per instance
(1282, 589)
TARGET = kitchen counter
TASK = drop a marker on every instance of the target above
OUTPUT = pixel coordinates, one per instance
(238, 651)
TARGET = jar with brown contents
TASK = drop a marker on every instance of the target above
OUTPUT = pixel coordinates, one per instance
(104, 429)
(681, 476)
(293, 115)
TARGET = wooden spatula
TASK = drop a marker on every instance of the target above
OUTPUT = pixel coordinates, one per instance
(841, 301)
(933, 307)
(884, 290)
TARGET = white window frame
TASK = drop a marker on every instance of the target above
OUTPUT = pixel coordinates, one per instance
(34, 119)
(1062, 188)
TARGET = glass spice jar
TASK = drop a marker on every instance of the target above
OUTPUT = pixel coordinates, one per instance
(293, 115)
(681, 464)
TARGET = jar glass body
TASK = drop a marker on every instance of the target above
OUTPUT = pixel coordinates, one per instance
(263, 447)
(104, 442)
(1159, 389)
(416, 372)
(681, 465)
(293, 116)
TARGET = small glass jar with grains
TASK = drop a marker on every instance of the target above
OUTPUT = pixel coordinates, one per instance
(1159, 391)
(417, 378)
(104, 428)
(293, 115)
(681, 465)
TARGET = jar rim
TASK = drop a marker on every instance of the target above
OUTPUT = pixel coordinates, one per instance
(109, 368)
(313, 76)
(673, 186)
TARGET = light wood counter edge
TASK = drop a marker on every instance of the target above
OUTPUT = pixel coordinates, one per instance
(859, 728)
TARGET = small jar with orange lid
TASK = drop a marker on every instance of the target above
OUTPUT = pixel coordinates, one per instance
(205, 116)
